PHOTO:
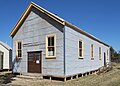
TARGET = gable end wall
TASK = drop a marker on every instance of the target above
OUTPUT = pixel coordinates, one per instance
(34, 31)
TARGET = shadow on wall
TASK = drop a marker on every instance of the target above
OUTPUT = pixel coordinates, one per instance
(48, 19)
(15, 65)
(8, 77)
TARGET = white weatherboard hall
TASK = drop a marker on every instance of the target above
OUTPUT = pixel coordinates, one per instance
(5, 56)
(46, 44)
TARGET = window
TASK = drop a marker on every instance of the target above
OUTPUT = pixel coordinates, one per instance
(51, 46)
(80, 44)
(19, 49)
(92, 51)
(100, 53)
(107, 54)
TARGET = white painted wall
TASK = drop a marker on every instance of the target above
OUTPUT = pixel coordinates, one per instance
(6, 64)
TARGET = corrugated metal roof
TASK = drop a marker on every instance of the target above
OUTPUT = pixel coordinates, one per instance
(5, 45)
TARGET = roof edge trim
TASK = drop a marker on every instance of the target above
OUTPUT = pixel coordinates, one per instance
(85, 33)
(26, 12)
(53, 16)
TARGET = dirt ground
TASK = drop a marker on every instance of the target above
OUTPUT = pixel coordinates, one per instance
(111, 78)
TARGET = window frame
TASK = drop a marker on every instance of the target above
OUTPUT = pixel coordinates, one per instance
(81, 57)
(47, 36)
(18, 50)
(92, 51)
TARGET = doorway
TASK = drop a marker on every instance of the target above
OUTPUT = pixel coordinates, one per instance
(35, 62)
(104, 59)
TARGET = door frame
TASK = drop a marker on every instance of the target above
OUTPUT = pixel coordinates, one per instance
(40, 59)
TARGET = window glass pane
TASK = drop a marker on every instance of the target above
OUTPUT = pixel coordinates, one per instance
(19, 49)
(99, 52)
(50, 41)
(19, 45)
(52, 38)
(80, 44)
(50, 51)
(80, 52)
(80, 48)
(92, 47)
(31, 56)
(92, 54)
(19, 53)
(92, 50)
(37, 56)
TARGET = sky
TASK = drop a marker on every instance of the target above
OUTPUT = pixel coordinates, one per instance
(100, 18)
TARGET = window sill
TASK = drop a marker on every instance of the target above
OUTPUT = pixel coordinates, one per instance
(80, 58)
(92, 58)
(18, 58)
(50, 57)
(100, 59)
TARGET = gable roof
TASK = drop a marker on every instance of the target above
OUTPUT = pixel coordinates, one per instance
(5, 45)
(56, 18)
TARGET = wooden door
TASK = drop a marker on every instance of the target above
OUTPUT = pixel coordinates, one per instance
(104, 59)
(34, 62)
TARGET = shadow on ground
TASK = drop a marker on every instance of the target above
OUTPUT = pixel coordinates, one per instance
(6, 78)
(118, 68)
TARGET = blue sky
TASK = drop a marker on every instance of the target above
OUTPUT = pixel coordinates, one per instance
(100, 18)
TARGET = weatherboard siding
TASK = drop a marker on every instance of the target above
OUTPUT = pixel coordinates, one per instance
(72, 62)
(6, 57)
(34, 31)
(33, 34)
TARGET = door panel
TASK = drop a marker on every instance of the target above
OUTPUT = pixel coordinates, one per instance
(34, 62)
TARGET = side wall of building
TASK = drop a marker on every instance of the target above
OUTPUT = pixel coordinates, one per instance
(33, 32)
(72, 62)
(5, 57)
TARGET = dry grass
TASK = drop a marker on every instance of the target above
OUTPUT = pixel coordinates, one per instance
(111, 78)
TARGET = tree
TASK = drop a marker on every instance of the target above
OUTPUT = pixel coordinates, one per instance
(114, 54)
(112, 51)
